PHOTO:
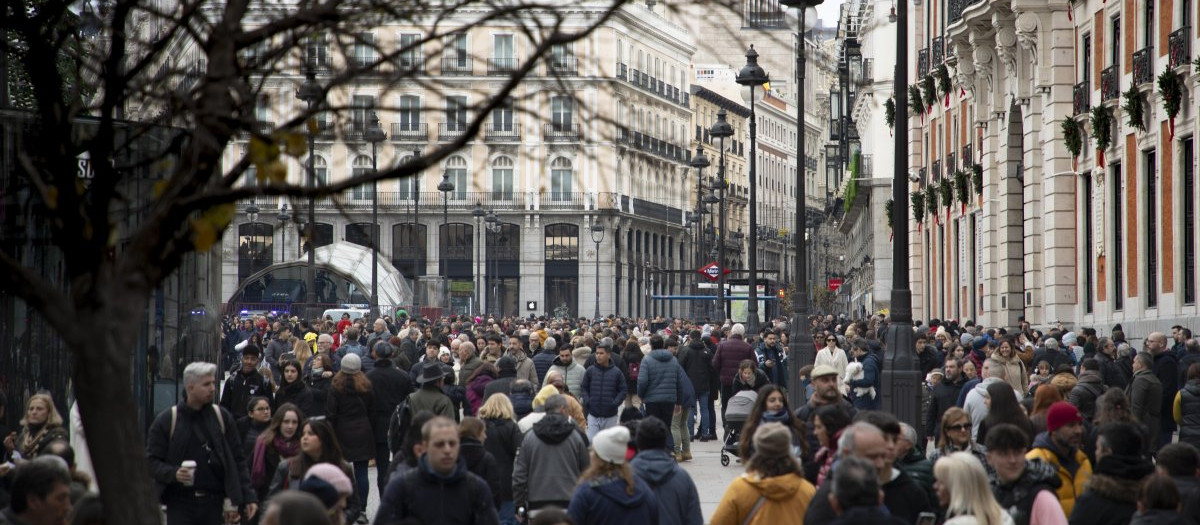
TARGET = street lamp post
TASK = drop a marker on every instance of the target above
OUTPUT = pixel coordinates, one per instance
(374, 134)
(720, 130)
(479, 215)
(901, 379)
(283, 217)
(753, 76)
(313, 95)
(416, 228)
(597, 237)
(493, 227)
(800, 339)
(446, 187)
(699, 162)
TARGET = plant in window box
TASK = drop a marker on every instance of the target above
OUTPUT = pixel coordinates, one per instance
(944, 84)
(931, 202)
(1072, 136)
(1101, 131)
(918, 208)
(928, 92)
(914, 100)
(1135, 107)
(1170, 89)
(946, 189)
(962, 190)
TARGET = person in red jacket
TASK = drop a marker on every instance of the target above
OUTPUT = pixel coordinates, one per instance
(728, 356)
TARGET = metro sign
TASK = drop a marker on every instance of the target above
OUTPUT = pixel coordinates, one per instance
(835, 283)
(713, 271)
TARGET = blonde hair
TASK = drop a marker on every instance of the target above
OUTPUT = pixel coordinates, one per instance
(498, 406)
(302, 350)
(53, 418)
(970, 494)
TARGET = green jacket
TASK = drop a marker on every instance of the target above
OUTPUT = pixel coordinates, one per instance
(431, 399)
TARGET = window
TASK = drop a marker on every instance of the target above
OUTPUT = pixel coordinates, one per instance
(456, 113)
(1151, 216)
(408, 249)
(1118, 245)
(362, 233)
(408, 185)
(1148, 24)
(458, 50)
(1189, 220)
(410, 51)
(361, 167)
(1088, 253)
(316, 51)
(562, 242)
(1114, 54)
(503, 53)
(562, 58)
(560, 112)
(502, 179)
(262, 110)
(361, 111)
(410, 113)
(1085, 65)
(255, 248)
(456, 171)
(320, 170)
(560, 179)
(364, 49)
(502, 116)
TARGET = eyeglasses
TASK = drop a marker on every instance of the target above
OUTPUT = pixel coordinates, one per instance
(830, 340)
(959, 428)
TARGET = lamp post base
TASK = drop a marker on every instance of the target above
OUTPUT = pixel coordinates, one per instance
(901, 377)
(803, 352)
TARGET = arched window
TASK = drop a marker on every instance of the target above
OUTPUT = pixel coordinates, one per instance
(562, 242)
(456, 171)
(320, 170)
(561, 177)
(502, 179)
(562, 268)
(408, 249)
(255, 243)
(408, 186)
(322, 235)
(362, 166)
(362, 233)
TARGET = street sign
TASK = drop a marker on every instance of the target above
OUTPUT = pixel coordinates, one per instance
(713, 271)
(835, 283)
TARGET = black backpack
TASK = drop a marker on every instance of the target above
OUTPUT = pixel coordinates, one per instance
(398, 425)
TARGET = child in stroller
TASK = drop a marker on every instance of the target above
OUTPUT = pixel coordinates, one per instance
(736, 413)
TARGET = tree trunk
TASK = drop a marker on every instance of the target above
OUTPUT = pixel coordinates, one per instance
(101, 344)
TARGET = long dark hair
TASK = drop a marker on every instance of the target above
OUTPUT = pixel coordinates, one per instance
(485, 368)
(347, 383)
(292, 362)
(331, 450)
(268, 436)
(1005, 408)
(760, 406)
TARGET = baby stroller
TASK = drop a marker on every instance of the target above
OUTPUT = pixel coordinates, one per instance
(736, 414)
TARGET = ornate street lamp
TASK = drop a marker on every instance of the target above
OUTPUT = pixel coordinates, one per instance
(314, 95)
(374, 134)
(699, 162)
(720, 130)
(597, 237)
(283, 217)
(753, 76)
(479, 216)
(446, 187)
(493, 227)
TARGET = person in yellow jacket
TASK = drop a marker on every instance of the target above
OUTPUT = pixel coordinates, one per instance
(1059, 446)
(773, 489)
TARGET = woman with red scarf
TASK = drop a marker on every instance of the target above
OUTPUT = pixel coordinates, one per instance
(281, 440)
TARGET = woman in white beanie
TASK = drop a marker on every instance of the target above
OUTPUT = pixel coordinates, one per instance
(608, 492)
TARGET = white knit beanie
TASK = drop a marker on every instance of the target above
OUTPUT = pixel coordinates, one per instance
(611, 443)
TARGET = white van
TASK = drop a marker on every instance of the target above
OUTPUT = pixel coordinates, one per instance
(336, 313)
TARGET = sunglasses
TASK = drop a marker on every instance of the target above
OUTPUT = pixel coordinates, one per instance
(959, 427)
(830, 340)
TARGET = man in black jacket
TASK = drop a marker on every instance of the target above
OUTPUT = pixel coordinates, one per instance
(696, 360)
(439, 489)
(198, 431)
(945, 395)
(246, 383)
(390, 385)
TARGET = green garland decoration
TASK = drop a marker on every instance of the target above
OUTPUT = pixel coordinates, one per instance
(962, 187)
(977, 177)
(914, 98)
(1072, 136)
(943, 78)
(918, 206)
(1102, 127)
(1196, 64)
(931, 200)
(1170, 89)
(928, 92)
(889, 112)
(1134, 107)
(946, 188)
(887, 210)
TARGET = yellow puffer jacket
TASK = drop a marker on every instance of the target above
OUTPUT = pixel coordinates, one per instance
(786, 499)
(1072, 486)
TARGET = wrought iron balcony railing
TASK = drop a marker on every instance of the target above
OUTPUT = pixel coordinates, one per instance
(1143, 65)
(562, 132)
(501, 66)
(409, 132)
(1179, 47)
(502, 133)
(957, 7)
(939, 50)
(1110, 87)
(1081, 98)
(922, 63)
(562, 65)
(449, 131)
(464, 66)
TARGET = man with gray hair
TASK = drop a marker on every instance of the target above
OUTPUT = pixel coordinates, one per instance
(975, 403)
(544, 358)
(550, 459)
(196, 456)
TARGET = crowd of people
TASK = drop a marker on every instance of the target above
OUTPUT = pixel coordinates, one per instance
(549, 421)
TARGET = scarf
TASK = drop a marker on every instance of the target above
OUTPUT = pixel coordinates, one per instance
(33, 435)
(781, 416)
(258, 470)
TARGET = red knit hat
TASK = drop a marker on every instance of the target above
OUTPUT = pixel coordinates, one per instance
(1061, 414)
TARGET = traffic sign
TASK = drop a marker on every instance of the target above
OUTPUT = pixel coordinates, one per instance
(835, 283)
(713, 271)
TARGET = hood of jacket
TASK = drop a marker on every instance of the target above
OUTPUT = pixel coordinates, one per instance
(472, 452)
(981, 387)
(661, 355)
(1113, 488)
(778, 488)
(1193, 387)
(558, 362)
(1090, 377)
(554, 428)
(1158, 517)
(657, 466)
(1133, 468)
(456, 475)
(613, 488)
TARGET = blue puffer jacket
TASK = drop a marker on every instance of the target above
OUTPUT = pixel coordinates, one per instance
(604, 501)
(871, 378)
(678, 499)
(658, 378)
(603, 390)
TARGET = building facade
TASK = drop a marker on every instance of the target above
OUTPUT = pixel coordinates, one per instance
(1097, 235)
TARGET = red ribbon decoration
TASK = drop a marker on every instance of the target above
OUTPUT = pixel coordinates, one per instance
(1100, 156)
(1171, 125)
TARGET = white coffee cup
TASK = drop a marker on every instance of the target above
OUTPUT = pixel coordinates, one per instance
(191, 466)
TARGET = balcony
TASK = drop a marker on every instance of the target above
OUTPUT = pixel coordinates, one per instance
(325, 131)
(562, 65)
(261, 127)
(409, 132)
(922, 63)
(1179, 47)
(967, 158)
(1110, 87)
(562, 132)
(564, 200)
(501, 66)
(410, 63)
(502, 133)
(957, 7)
(939, 50)
(363, 61)
(354, 131)
(766, 19)
(1082, 98)
(654, 86)
(654, 210)
(449, 132)
(1143, 66)
(622, 71)
(458, 66)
